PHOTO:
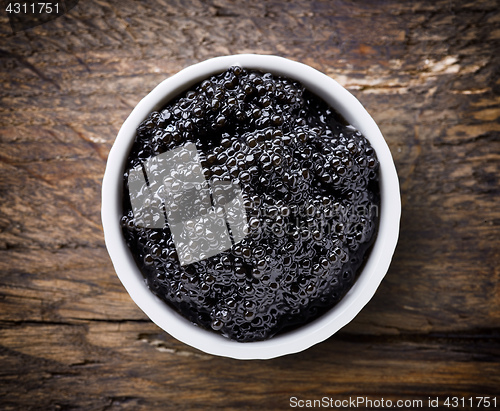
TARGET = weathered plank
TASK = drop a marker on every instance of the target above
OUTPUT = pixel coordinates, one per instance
(132, 364)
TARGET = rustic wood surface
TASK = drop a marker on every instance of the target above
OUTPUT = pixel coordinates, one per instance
(427, 71)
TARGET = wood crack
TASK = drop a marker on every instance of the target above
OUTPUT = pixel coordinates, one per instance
(22, 61)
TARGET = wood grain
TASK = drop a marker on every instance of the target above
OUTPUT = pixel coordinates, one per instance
(427, 71)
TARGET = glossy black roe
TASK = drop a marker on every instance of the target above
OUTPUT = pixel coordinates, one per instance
(311, 196)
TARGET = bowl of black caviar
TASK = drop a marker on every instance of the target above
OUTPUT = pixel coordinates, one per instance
(250, 206)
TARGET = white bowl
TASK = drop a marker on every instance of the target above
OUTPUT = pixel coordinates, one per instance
(309, 334)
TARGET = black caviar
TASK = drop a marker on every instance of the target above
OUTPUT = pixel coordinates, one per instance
(309, 184)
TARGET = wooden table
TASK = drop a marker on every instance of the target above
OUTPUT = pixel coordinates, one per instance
(427, 71)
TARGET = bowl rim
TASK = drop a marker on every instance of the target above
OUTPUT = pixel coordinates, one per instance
(374, 268)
